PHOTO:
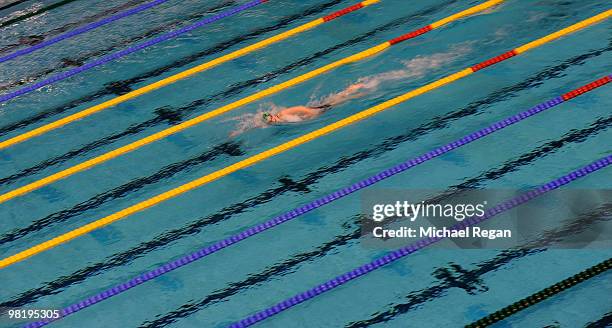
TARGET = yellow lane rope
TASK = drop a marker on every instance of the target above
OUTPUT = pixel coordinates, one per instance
(179, 76)
(254, 97)
(288, 145)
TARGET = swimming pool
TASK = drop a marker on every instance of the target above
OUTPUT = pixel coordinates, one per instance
(433, 287)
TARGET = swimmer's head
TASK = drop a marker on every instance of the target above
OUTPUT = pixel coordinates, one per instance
(269, 118)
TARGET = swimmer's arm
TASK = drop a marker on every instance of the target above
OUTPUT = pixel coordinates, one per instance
(351, 92)
(301, 111)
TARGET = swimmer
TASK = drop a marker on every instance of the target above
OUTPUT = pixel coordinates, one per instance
(302, 113)
(296, 114)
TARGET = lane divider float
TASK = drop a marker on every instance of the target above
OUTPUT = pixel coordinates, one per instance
(297, 212)
(286, 146)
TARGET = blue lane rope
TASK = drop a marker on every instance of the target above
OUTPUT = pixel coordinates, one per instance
(81, 30)
(410, 249)
(119, 54)
(208, 250)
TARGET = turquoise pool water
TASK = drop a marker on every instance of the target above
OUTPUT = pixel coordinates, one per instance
(433, 288)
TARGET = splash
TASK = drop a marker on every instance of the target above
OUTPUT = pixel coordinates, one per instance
(250, 121)
(416, 67)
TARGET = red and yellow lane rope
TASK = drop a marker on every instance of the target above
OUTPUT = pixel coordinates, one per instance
(291, 144)
(182, 75)
(257, 96)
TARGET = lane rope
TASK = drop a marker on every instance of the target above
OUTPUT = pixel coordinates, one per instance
(244, 101)
(129, 50)
(542, 295)
(35, 13)
(410, 249)
(297, 212)
(176, 77)
(81, 30)
(276, 150)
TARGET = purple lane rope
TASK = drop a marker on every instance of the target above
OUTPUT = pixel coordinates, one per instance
(405, 251)
(173, 265)
(81, 30)
(127, 51)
